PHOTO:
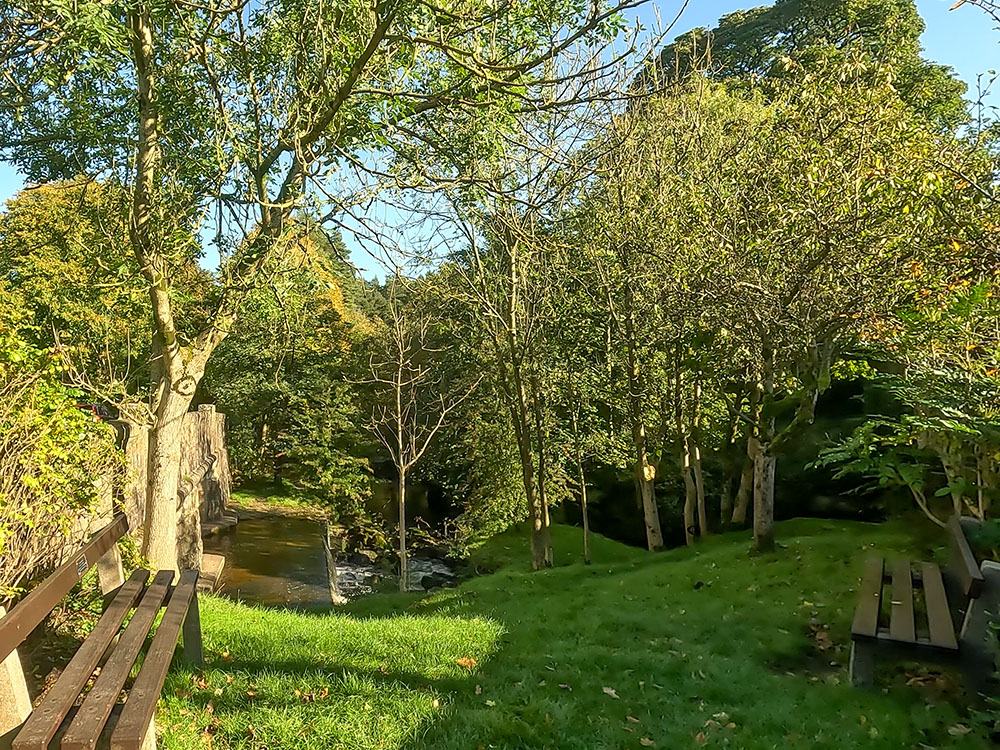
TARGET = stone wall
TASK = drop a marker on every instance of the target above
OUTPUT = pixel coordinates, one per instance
(205, 481)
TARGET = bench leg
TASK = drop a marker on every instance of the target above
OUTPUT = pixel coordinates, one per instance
(149, 741)
(862, 666)
(192, 634)
(977, 671)
(978, 652)
(15, 704)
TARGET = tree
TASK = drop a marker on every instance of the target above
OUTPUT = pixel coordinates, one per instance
(63, 249)
(987, 6)
(941, 340)
(502, 287)
(781, 216)
(748, 45)
(226, 118)
(284, 379)
(805, 260)
(411, 402)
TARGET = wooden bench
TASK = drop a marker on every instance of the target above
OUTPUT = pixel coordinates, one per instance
(96, 718)
(930, 615)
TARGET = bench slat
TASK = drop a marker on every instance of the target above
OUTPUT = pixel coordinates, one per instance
(902, 626)
(44, 721)
(36, 606)
(93, 714)
(939, 622)
(866, 616)
(138, 713)
(963, 561)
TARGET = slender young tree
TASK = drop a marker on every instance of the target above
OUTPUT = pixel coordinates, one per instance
(412, 402)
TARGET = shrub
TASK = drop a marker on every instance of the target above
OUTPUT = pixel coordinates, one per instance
(52, 457)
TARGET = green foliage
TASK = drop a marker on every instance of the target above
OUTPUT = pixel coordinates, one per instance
(283, 379)
(63, 249)
(54, 457)
(749, 45)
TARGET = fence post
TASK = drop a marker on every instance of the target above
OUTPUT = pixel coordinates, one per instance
(15, 704)
(110, 573)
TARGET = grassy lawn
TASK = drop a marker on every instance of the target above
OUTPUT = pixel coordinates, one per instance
(673, 650)
(266, 494)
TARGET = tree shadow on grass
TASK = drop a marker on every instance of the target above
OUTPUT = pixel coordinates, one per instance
(279, 679)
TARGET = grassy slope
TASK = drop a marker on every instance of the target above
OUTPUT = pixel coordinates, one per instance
(704, 647)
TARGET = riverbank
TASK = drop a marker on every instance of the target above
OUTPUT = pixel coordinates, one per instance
(678, 649)
(254, 503)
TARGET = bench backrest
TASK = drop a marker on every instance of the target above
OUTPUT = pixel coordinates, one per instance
(962, 564)
(37, 605)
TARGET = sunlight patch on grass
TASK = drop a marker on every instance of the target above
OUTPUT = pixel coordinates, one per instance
(684, 648)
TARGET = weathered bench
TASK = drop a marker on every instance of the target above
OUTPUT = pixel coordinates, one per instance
(99, 720)
(931, 615)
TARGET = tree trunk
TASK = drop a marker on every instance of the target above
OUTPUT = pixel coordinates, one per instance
(745, 490)
(760, 447)
(401, 489)
(684, 458)
(643, 473)
(586, 516)
(763, 506)
(726, 500)
(699, 485)
(582, 479)
(695, 452)
(536, 408)
(160, 529)
(541, 540)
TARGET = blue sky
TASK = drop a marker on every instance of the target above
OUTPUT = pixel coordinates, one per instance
(964, 39)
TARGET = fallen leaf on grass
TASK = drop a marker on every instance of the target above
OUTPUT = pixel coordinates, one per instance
(646, 742)
(632, 719)
(958, 730)
(700, 738)
(821, 636)
(466, 661)
(609, 691)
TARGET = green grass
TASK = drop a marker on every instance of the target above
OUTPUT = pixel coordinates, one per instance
(704, 647)
(267, 493)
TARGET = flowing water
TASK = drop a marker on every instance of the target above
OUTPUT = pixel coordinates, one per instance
(274, 562)
(280, 562)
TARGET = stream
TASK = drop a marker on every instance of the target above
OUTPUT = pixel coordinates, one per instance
(273, 562)
(280, 562)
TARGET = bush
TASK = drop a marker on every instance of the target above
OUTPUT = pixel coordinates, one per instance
(52, 455)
